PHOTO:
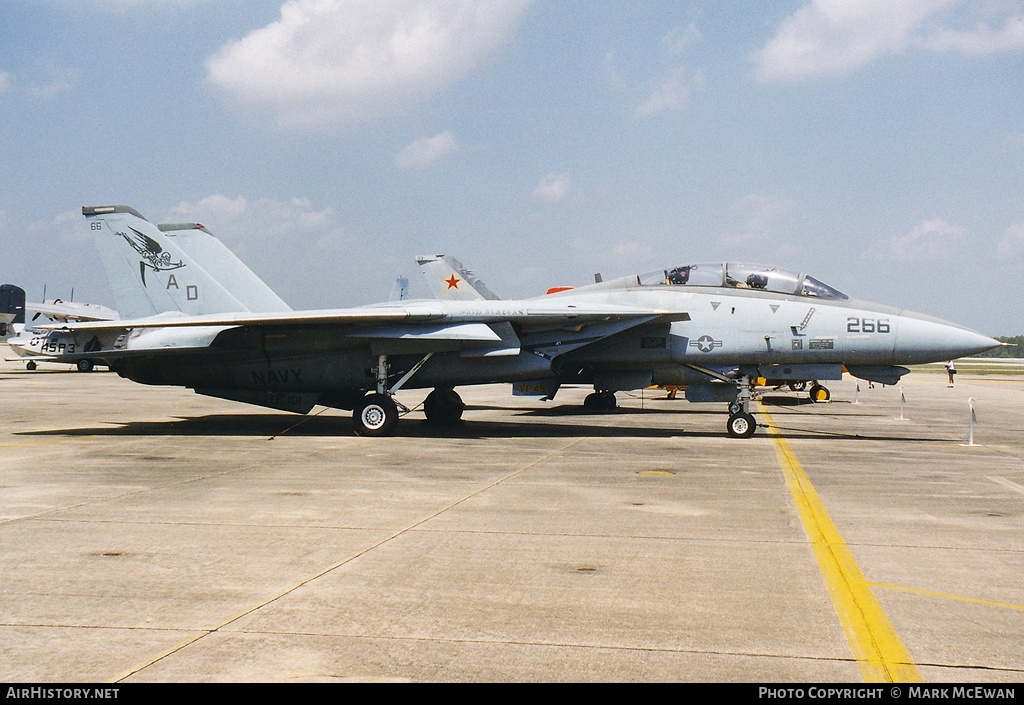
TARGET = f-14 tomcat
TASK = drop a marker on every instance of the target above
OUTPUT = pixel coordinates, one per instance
(713, 328)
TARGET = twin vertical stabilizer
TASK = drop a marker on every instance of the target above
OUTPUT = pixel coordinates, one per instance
(153, 269)
(449, 280)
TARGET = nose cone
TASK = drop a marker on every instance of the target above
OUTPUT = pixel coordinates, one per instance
(923, 339)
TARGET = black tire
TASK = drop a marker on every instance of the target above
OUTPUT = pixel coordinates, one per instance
(820, 393)
(443, 407)
(741, 425)
(84, 365)
(608, 401)
(375, 415)
(600, 401)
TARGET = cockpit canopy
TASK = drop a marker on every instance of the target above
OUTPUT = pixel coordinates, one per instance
(742, 276)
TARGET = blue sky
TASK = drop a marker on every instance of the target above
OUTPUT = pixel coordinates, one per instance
(878, 145)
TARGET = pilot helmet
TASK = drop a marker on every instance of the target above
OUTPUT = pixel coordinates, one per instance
(679, 275)
(757, 281)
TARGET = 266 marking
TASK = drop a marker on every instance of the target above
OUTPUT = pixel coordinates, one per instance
(867, 325)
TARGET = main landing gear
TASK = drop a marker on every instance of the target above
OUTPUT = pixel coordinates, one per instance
(443, 407)
(600, 401)
(377, 413)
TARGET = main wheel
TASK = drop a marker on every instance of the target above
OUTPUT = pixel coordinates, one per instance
(600, 401)
(741, 425)
(84, 365)
(443, 406)
(375, 415)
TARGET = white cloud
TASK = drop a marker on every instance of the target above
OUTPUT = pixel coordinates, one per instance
(979, 39)
(933, 239)
(671, 88)
(828, 37)
(426, 152)
(301, 252)
(763, 220)
(60, 81)
(679, 40)
(342, 62)
(52, 82)
(1012, 244)
(556, 188)
(631, 251)
(838, 36)
(612, 72)
(670, 93)
(251, 225)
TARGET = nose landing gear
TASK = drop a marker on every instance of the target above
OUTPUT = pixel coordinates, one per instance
(741, 425)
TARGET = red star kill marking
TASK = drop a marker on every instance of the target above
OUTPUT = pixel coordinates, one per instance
(453, 283)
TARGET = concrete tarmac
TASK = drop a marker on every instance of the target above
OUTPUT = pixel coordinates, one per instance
(151, 534)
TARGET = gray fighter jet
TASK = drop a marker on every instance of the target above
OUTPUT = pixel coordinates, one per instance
(714, 328)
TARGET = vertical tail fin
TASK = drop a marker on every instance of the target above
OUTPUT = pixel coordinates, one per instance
(213, 255)
(184, 269)
(12, 301)
(450, 280)
(12, 310)
(400, 291)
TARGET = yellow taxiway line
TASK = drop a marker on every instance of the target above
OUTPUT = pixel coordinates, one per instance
(878, 649)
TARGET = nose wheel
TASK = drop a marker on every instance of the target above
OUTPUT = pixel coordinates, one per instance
(741, 425)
